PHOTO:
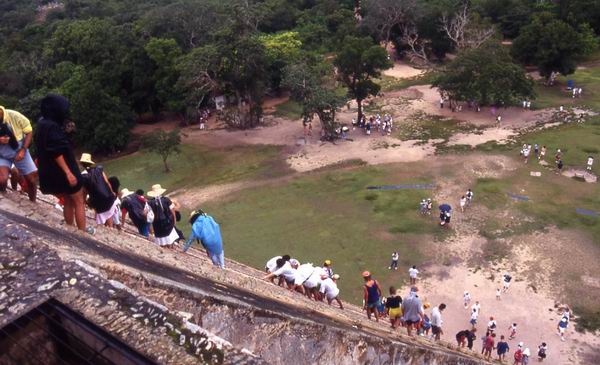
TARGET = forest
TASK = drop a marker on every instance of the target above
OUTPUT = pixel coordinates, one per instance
(122, 61)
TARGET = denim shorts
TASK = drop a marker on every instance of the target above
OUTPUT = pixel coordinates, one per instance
(7, 159)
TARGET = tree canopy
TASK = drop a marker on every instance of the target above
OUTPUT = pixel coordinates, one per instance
(485, 75)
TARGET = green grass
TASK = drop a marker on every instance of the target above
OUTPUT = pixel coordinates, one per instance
(291, 109)
(196, 166)
(330, 215)
(426, 127)
(587, 78)
(390, 83)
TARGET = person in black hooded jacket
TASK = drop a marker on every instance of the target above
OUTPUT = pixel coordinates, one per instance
(58, 170)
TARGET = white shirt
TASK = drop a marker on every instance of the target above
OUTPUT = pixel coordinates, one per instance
(436, 317)
(467, 297)
(303, 272)
(395, 256)
(474, 315)
(329, 288)
(315, 278)
(477, 307)
(271, 265)
(463, 201)
(590, 161)
(492, 324)
(288, 272)
(413, 272)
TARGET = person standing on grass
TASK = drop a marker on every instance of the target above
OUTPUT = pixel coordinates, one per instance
(412, 311)
(394, 264)
(502, 348)
(436, 321)
(413, 273)
(393, 307)
(526, 152)
(536, 150)
(542, 153)
(208, 232)
(16, 135)
(542, 349)
(372, 295)
(590, 162)
(58, 170)
(557, 156)
(469, 194)
(559, 166)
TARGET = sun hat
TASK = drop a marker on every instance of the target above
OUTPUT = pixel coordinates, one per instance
(86, 158)
(426, 305)
(156, 190)
(327, 262)
(335, 277)
(125, 192)
(366, 274)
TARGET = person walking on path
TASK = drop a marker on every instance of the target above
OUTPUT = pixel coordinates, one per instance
(513, 331)
(164, 217)
(413, 273)
(394, 264)
(15, 137)
(372, 295)
(134, 204)
(102, 198)
(58, 170)
(436, 321)
(412, 311)
(393, 307)
(466, 299)
(469, 196)
(506, 278)
(502, 348)
(474, 315)
(208, 232)
(562, 327)
(542, 349)
(559, 166)
(463, 202)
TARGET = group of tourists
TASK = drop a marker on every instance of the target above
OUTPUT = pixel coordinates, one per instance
(78, 183)
(375, 122)
(539, 153)
(316, 282)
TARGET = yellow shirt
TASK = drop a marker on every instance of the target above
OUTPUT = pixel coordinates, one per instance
(19, 124)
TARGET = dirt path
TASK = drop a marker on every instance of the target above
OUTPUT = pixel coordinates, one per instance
(401, 70)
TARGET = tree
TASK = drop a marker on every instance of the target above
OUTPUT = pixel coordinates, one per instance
(165, 53)
(485, 75)
(383, 15)
(358, 62)
(281, 49)
(311, 85)
(163, 144)
(466, 29)
(553, 45)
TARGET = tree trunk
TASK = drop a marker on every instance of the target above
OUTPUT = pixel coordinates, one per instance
(167, 169)
(360, 110)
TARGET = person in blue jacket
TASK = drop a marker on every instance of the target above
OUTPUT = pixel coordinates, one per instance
(207, 231)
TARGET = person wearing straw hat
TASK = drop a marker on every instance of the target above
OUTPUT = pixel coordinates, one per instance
(102, 198)
(208, 232)
(134, 204)
(58, 170)
(164, 217)
(327, 267)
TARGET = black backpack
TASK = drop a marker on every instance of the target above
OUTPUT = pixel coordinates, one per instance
(163, 218)
(101, 197)
(5, 131)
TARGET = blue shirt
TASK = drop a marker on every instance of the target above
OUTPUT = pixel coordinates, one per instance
(208, 232)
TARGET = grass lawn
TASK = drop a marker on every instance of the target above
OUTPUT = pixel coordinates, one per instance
(291, 109)
(587, 77)
(197, 166)
(390, 83)
(330, 215)
(425, 127)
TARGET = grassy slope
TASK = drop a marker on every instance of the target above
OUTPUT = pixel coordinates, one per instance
(588, 78)
(330, 215)
(197, 166)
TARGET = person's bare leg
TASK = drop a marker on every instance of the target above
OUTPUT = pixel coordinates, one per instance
(79, 208)
(3, 178)
(69, 210)
(32, 186)
(14, 178)
(339, 302)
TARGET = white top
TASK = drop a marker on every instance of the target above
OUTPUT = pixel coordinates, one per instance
(315, 278)
(271, 265)
(463, 201)
(590, 161)
(436, 317)
(395, 256)
(467, 297)
(413, 272)
(477, 307)
(492, 324)
(474, 315)
(329, 288)
(288, 272)
(526, 352)
(303, 272)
